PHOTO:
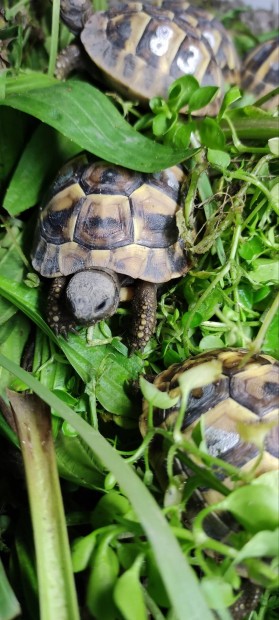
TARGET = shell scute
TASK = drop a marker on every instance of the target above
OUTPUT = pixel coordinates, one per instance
(104, 222)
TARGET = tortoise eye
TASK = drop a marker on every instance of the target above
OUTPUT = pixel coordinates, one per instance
(101, 306)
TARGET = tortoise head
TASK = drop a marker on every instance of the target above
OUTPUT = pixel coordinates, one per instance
(75, 13)
(92, 295)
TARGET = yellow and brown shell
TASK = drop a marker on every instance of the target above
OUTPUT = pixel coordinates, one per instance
(246, 394)
(102, 215)
(142, 49)
(216, 34)
(260, 72)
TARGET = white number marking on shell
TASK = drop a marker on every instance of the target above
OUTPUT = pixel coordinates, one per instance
(209, 36)
(220, 441)
(159, 43)
(191, 63)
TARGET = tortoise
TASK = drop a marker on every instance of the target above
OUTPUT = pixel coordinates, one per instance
(103, 228)
(141, 49)
(246, 391)
(260, 72)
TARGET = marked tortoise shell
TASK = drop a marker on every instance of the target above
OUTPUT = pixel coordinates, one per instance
(246, 393)
(141, 49)
(260, 73)
(100, 227)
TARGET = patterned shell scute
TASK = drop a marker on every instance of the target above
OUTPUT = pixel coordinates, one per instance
(143, 49)
(260, 72)
(214, 32)
(112, 218)
(244, 394)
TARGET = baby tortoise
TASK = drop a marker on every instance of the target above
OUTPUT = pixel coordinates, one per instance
(247, 394)
(102, 227)
(260, 73)
(140, 49)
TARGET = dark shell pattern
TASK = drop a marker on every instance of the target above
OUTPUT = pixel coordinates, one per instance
(102, 215)
(261, 69)
(248, 394)
(142, 49)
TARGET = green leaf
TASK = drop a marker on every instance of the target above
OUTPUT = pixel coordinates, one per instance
(256, 507)
(128, 593)
(82, 549)
(181, 90)
(232, 95)
(161, 124)
(87, 117)
(35, 167)
(221, 159)
(273, 144)
(251, 248)
(101, 582)
(218, 593)
(263, 544)
(270, 344)
(211, 134)
(265, 270)
(12, 132)
(211, 342)
(9, 605)
(201, 97)
(109, 508)
(154, 396)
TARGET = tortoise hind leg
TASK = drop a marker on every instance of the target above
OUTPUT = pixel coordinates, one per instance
(144, 306)
(57, 316)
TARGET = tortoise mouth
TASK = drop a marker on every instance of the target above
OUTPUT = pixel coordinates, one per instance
(92, 295)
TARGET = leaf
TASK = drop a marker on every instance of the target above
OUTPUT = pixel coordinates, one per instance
(35, 167)
(9, 605)
(85, 115)
(256, 507)
(265, 270)
(218, 593)
(181, 91)
(82, 549)
(221, 159)
(211, 134)
(273, 144)
(232, 95)
(128, 593)
(263, 544)
(12, 132)
(201, 97)
(211, 342)
(101, 582)
(154, 396)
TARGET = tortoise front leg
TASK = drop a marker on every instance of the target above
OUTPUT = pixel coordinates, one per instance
(58, 319)
(70, 59)
(144, 306)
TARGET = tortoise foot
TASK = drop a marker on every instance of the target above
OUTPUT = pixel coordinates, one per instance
(144, 306)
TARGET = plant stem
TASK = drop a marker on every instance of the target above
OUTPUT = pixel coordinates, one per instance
(57, 595)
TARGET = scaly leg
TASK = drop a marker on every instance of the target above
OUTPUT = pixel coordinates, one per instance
(144, 306)
(58, 319)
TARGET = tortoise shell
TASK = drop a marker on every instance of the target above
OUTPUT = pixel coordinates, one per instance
(260, 72)
(102, 215)
(217, 36)
(247, 394)
(142, 49)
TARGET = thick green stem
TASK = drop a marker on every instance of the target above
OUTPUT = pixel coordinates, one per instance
(57, 594)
